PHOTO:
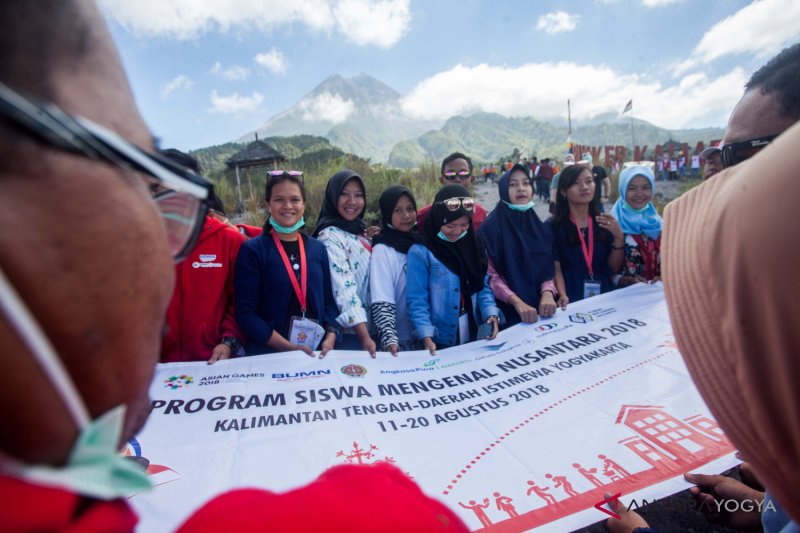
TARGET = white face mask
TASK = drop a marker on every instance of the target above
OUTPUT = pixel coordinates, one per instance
(94, 468)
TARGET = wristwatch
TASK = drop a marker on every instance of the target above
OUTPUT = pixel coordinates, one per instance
(233, 343)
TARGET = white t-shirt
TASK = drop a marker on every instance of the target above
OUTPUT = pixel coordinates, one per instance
(387, 283)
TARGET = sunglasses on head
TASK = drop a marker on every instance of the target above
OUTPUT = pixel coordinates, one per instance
(734, 153)
(282, 173)
(452, 175)
(453, 204)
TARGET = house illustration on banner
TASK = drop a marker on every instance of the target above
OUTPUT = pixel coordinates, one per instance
(666, 442)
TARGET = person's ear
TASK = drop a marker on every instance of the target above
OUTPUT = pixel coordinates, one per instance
(442, 180)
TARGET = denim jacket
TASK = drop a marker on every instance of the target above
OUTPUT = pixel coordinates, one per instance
(433, 294)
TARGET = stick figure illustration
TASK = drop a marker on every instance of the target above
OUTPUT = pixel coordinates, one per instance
(587, 473)
(541, 492)
(561, 481)
(612, 469)
(504, 504)
(478, 509)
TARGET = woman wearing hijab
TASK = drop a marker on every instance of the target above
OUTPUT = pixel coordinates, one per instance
(447, 289)
(387, 278)
(641, 225)
(341, 228)
(520, 248)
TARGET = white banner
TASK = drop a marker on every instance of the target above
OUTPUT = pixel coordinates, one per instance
(525, 431)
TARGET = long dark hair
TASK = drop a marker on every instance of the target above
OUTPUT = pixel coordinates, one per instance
(567, 179)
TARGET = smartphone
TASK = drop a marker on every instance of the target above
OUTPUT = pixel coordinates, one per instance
(485, 330)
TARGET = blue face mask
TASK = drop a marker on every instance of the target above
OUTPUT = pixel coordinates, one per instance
(94, 468)
(283, 229)
(444, 237)
(519, 207)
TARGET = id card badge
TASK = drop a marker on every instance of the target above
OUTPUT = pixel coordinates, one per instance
(305, 332)
(590, 288)
(463, 329)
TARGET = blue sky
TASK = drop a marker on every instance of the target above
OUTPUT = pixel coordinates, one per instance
(207, 71)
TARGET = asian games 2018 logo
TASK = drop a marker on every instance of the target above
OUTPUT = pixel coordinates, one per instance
(176, 382)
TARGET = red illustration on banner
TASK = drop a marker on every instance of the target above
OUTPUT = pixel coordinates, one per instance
(360, 456)
(669, 445)
(478, 509)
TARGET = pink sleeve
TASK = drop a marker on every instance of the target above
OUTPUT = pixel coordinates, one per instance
(499, 286)
(549, 286)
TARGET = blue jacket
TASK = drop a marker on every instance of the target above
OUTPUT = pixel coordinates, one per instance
(433, 294)
(264, 291)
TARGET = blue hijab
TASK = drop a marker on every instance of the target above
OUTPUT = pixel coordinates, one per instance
(645, 221)
(519, 244)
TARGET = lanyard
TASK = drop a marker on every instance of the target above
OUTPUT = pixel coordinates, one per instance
(298, 291)
(649, 249)
(588, 252)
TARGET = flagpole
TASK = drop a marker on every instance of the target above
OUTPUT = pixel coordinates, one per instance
(633, 139)
(569, 132)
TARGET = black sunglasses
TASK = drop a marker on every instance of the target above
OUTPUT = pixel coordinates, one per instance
(734, 153)
(180, 195)
(452, 175)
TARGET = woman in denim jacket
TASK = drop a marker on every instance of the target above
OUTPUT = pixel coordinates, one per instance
(447, 287)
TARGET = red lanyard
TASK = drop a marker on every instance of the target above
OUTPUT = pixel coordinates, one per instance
(299, 292)
(649, 249)
(588, 252)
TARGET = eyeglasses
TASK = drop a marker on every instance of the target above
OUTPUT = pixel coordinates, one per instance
(734, 153)
(282, 173)
(453, 204)
(180, 195)
(452, 175)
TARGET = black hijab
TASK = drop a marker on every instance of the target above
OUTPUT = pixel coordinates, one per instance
(466, 257)
(519, 244)
(329, 214)
(394, 238)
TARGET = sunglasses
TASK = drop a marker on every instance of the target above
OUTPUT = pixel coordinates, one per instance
(180, 195)
(452, 175)
(734, 153)
(453, 204)
(282, 173)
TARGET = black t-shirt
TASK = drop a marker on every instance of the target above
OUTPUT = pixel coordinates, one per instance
(599, 174)
(292, 249)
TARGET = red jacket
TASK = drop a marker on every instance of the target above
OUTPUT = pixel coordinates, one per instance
(201, 310)
(478, 216)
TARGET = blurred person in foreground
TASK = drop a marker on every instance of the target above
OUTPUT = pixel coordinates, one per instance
(82, 309)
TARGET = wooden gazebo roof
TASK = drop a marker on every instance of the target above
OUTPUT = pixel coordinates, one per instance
(255, 153)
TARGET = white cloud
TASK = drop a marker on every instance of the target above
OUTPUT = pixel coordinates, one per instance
(180, 81)
(365, 22)
(234, 103)
(234, 73)
(659, 3)
(381, 23)
(327, 107)
(557, 22)
(272, 61)
(695, 100)
(761, 28)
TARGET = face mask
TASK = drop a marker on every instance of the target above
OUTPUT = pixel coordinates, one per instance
(94, 468)
(444, 238)
(628, 207)
(519, 207)
(283, 229)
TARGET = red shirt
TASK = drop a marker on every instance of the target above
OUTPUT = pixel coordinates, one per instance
(376, 497)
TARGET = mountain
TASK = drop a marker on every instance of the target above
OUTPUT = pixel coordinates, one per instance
(359, 114)
(492, 137)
